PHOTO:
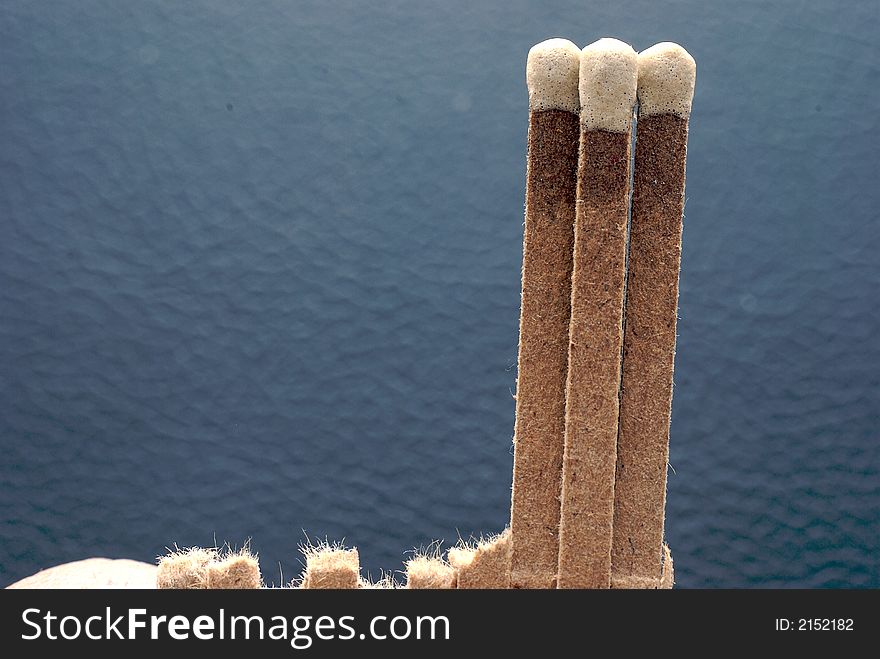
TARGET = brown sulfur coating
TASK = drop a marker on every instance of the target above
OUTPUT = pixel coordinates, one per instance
(543, 346)
(596, 337)
(649, 347)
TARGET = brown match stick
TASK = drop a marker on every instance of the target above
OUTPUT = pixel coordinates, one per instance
(608, 77)
(552, 77)
(666, 86)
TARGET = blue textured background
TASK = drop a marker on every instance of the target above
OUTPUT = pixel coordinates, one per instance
(259, 273)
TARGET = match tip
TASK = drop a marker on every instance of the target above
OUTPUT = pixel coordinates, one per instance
(609, 71)
(667, 74)
(552, 75)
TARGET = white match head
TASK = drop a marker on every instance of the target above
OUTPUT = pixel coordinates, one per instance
(552, 75)
(608, 79)
(667, 74)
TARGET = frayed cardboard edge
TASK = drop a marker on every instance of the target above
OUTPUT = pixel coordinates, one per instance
(329, 565)
(198, 568)
(484, 563)
(429, 572)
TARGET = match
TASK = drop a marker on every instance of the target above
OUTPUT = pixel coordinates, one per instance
(667, 74)
(552, 78)
(608, 78)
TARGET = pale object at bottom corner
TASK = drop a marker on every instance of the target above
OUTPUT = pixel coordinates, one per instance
(93, 573)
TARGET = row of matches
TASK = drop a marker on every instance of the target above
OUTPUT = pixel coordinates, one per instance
(601, 258)
(601, 261)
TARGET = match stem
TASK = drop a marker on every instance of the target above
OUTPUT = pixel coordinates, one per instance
(608, 77)
(552, 76)
(666, 84)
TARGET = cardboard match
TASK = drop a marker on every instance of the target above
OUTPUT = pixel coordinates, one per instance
(608, 78)
(667, 74)
(552, 77)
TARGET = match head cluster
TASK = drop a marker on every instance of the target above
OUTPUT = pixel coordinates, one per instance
(602, 81)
